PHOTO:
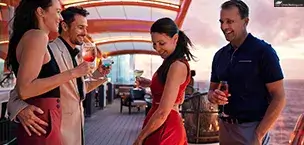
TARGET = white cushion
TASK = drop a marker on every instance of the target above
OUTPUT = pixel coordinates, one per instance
(139, 102)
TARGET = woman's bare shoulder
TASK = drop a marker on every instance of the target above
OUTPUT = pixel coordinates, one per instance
(34, 41)
(35, 35)
(178, 65)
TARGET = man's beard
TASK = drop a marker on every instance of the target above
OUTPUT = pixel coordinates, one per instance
(77, 42)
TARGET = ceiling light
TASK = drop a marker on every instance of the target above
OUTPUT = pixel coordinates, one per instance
(3, 4)
(4, 42)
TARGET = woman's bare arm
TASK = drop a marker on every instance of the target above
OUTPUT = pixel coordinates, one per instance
(176, 76)
(33, 54)
(275, 108)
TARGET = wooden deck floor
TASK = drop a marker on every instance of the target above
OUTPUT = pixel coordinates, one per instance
(110, 127)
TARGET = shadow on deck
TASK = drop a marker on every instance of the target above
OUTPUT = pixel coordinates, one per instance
(110, 127)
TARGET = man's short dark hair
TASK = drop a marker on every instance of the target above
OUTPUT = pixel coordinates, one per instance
(69, 15)
(242, 7)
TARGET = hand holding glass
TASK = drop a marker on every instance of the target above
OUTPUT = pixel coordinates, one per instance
(105, 67)
(107, 63)
(89, 53)
(224, 88)
(138, 73)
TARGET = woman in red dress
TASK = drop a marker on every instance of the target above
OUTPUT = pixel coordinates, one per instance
(163, 124)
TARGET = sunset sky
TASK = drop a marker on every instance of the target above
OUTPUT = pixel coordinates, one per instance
(281, 27)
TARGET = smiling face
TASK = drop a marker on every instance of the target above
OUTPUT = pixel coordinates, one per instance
(163, 44)
(77, 30)
(50, 17)
(232, 25)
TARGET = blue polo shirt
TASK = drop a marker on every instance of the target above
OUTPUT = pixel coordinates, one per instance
(247, 70)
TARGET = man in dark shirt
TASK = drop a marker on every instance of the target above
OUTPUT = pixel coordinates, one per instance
(253, 72)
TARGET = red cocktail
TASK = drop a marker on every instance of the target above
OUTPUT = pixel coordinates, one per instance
(89, 54)
(224, 88)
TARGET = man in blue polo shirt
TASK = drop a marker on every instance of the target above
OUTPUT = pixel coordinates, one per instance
(253, 72)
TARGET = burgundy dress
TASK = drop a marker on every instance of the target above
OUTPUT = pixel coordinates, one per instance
(172, 132)
(49, 102)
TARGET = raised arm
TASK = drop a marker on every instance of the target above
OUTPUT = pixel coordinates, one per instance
(100, 72)
(31, 58)
(214, 80)
(91, 85)
(215, 96)
(144, 82)
(176, 76)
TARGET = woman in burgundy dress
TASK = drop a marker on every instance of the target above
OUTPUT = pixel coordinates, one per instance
(163, 124)
(38, 74)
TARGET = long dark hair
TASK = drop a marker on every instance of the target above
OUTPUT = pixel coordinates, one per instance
(167, 26)
(24, 19)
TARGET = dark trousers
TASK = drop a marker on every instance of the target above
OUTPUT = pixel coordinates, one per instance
(240, 134)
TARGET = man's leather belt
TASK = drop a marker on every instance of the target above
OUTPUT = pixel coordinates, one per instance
(236, 120)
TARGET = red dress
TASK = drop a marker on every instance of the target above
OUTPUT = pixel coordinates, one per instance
(172, 132)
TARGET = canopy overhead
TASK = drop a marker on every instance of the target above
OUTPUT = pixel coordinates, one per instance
(115, 25)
